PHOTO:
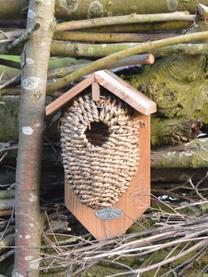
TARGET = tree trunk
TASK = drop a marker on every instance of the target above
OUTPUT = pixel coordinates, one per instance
(73, 49)
(34, 76)
(93, 50)
(75, 9)
(123, 19)
(175, 176)
(190, 49)
(191, 155)
(136, 28)
(109, 37)
(173, 131)
(77, 49)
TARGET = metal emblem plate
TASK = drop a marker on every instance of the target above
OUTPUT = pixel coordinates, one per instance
(109, 213)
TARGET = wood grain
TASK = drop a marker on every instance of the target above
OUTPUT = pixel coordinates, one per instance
(95, 91)
(126, 92)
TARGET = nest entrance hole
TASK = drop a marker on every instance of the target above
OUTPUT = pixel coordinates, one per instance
(97, 133)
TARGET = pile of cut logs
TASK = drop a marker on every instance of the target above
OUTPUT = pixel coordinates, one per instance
(160, 51)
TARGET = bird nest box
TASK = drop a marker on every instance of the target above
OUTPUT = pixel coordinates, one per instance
(105, 141)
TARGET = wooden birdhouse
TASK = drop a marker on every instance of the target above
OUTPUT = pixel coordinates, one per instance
(105, 140)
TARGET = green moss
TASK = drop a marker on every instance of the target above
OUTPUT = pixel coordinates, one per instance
(199, 159)
(178, 85)
(173, 131)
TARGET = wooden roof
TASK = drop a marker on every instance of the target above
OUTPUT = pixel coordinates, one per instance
(113, 84)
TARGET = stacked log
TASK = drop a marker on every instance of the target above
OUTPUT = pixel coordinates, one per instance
(166, 127)
(175, 76)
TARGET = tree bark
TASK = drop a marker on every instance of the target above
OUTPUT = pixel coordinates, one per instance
(175, 176)
(124, 19)
(92, 50)
(109, 37)
(178, 85)
(173, 131)
(34, 76)
(76, 49)
(136, 28)
(190, 49)
(191, 155)
(75, 9)
(88, 50)
(58, 68)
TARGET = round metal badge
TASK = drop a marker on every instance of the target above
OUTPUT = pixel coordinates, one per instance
(109, 213)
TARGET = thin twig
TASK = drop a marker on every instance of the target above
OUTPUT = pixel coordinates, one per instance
(24, 37)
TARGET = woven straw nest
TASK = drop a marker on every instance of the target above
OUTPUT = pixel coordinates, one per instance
(100, 149)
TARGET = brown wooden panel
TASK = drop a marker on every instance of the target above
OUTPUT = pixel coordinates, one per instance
(124, 91)
(133, 203)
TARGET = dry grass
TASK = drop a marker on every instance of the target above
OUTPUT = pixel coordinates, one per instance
(171, 239)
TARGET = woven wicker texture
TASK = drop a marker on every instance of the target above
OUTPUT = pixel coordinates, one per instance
(100, 149)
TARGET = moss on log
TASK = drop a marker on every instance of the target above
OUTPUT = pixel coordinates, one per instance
(178, 85)
(54, 62)
(173, 131)
(190, 155)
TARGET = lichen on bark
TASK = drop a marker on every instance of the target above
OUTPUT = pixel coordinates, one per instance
(95, 9)
(67, 7)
